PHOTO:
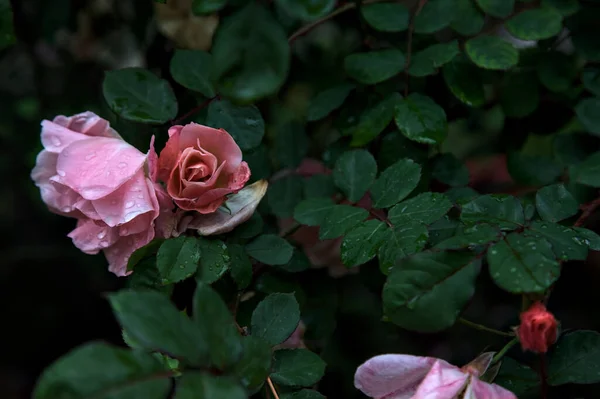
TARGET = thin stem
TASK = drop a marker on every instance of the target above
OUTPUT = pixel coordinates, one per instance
(411, 29)
(543, 377)
(272, 387)
(588, 209)
(194, 110)
(484, 328)
(381, 218)
(291, 230)
(503, 351)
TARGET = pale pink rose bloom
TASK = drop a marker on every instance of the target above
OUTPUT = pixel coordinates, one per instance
(415, 377)
(201, 166)
(87, 171)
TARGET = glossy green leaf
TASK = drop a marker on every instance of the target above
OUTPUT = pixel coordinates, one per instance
(468, 20)
(565, 241)
(591, 79)
(386, 17)
(588, 112)
(307, 10)
(270, 249)
(193, 70)
(535, 24)
(395, 183)
(480, 234)
(360, 244)
(275, 318)
(565, 7)
(401, 241)
(428, 290)
(374, 66)
(492, 52)
(425, 208)
(254, 366)
(297, 367)
(147, 277)
(504, 210)
(312, 212)
(426, 62)
(244, 123)
(575, 359)
(328, 101)
(284, 194)
(241, 267)
(138, 95)
(251, 60)
(298, 263)
(177, 258)
(354, 172)
(588, 172)
(521, 264)
(464, 81)
(201, 384)
(442, 229)
(591, 239)
(374, 120)
(435, 15)
(214, 262)
(497, 8)
(340, 219)
(555, 203)
(420, 119)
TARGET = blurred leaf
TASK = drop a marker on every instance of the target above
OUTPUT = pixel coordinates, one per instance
(591, 79)
(536, 24)
(473, 236)
(297, 367)
(554, 203)
(565, 242)
(464, 81)
(374, 66)
(394, 145)
(449, 170)
(244, 123)
(312, 212)
(588, 112)
(151, 320)
(250, 228)
(201, 384)
(328, 100)
(395, 183)
(428, 290)
(565, 7)
(556, 71)
(319, 186)
(492, 52)
(147, 277)
(284, 194)
(575, 359)
(386, 17)
(425, 208)
(534, 170)
(202, 7)
(258, 162)
(517, 378)
(588, 172)
(255, 364)
(270, 249)
(193, 70)
(7, 34)
(307, 10)
(360, 244)
(214, 261)
(374, 120)
(520, 95)
(275, 318)
(435, 15)
(504, 210)
(426, 62)
(420, 119)
(241, 267)
(298, 263)
(497, 8)
(468, 20)
(251, 60)
(354, 172)
(138, 95)
(571, 149)
(97, 369)
(520, 264)
(461, 195)
(302, 394)
(340, 219)
(402, 240)
(177, 258)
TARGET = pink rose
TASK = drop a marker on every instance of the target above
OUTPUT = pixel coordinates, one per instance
(201, 166)
(87, 171)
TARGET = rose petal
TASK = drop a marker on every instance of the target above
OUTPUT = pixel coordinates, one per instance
(479, 365)
(481, 390)
(90, 124)
(168, 156)
(56, 138)
(444, 381)
(392, 376)
(216, 141)
(97, 166)
(90, 237)
(152, 157)
(242, 205)
(240, 177)
(118, 254)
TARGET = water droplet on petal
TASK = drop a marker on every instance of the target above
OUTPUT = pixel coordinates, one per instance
(55, 141)
(61, 173)
(104, 244)
(90, 156)
(66, 209)
(140, 196)
(102, 234)
(129, 204)
(122, 165)
(124, 231)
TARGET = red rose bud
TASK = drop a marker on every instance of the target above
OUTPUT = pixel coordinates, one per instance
(538, 329)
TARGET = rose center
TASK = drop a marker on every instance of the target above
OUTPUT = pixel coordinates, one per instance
(198, 172)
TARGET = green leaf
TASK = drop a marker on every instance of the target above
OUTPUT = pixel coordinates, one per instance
(557, 71)
(284, 194)
(575, 359)
(302, 394)
(532, 169)
(177, 258)
(98, 370)
(244, 123)
(319, 186)
(565, 7)
(497, 8)
(555, 203)
(461, 195)
(138, 95)
(374, 66)
(402, 240)
(201, 384)
(517, 378)
(255, 364)
(212, 317)
(144, 252)
(420, 119)
(504, 210)
(251, 228)
(312, 212)
(298, 263)
(468, 20)
(492, 52)
(591, 239)
(428, 290)
(520, 264)
(449, 170)
(307, 10)
(354, 172)
(443, 229)
(241, 267)
(464, 81)
(340, 219)
(536, 24)
(386, 17)
(327, 101)
(591, 79)
(520, 95)
(214, 262)
(425, 208)
(473, 236)
(275, 318)
(147, 277)
(360, 244)
(565, 241)
(374, 120)
(588, 112)
(203, 7)
(7, 33)
(435, 15)
(251, 60)
(395, 183)
(270, 249)
(151, 320)
(297, 367)
(588, 172)
(193, 70)
(426, 61)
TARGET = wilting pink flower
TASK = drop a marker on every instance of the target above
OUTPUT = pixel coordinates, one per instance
(538, 329)
(87, 171)
(415, 377)
(201, 166)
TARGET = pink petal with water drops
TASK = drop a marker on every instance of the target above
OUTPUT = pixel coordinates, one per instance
(481, 390)
(90, 124)
(152, 161)
(215, 141)
(56, 138)
(96, 167)
(392, 376)
(118, 254)
(444, 381)
(90, 237)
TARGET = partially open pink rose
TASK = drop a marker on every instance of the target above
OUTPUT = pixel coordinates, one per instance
(87, 171)
(201, 166)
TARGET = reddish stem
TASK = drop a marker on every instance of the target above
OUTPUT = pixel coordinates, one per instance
(588, 209)
(194, 110)
(411, 28)
(543, 377)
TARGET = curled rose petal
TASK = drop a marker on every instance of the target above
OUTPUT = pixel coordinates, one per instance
(478, 389)
(443, 381)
